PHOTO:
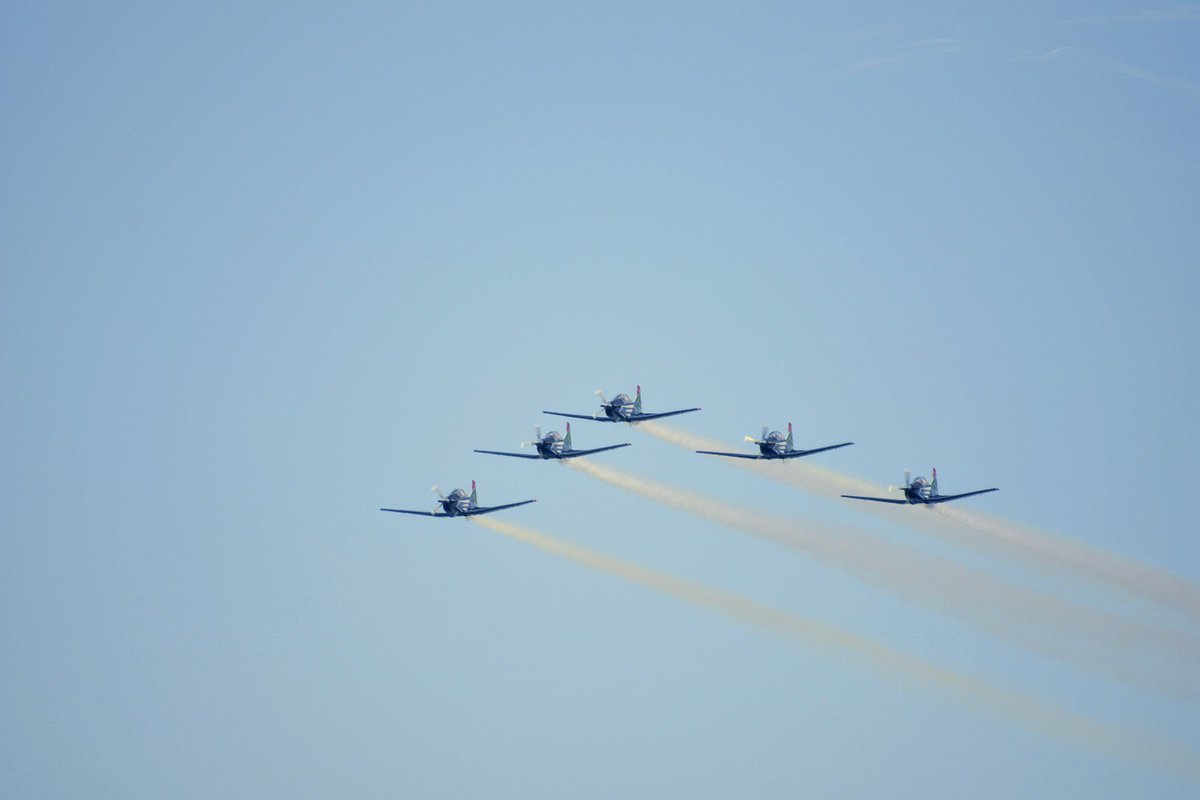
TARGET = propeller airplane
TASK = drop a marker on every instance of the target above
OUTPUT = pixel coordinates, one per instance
(622, 409)
(458, 504)
(775, 445)
(553, 445)
(920, 491)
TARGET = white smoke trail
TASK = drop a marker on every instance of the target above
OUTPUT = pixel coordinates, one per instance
(1008, 705)
(965, 526)
(1088, 638)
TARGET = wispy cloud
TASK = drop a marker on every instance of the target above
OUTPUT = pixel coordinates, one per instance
(1181, 13)
(1173, 82)
(1143, 74)
(911, 51)
(1042, 56)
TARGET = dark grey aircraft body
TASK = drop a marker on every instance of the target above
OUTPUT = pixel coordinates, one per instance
(554, 446)
(775, 445)
(921, 491)
(458, 504)
(622, 409)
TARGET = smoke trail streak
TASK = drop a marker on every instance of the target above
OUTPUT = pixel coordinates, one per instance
(1037, 547)
(1088, 638)
(1004, 704)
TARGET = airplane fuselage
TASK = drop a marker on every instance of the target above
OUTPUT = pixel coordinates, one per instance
(552, 445)
(774, 445)
(621, 409)
(456, 503)
(919, 491)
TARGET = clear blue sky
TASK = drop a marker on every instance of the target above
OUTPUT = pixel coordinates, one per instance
(268, 268)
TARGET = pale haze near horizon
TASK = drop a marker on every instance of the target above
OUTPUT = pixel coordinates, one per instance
(267, 270)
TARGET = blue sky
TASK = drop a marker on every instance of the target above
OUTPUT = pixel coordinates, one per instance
(268, 269)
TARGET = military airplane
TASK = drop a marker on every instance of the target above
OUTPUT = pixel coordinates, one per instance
(775, 445)
(553, 445)
(622, 409)
(921, 491)
(458, 504)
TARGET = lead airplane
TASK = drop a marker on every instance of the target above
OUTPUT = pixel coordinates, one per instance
(622, 409)
(775, 445)
(921, 491)
(458, 504)
(553, 445)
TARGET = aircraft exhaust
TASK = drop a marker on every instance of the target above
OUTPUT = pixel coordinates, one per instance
(1040, 550)
(1003, 704)
(1091, 639)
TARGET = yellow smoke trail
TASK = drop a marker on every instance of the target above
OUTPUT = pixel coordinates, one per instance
(890, 664)
(964, 525)
(1088, 638)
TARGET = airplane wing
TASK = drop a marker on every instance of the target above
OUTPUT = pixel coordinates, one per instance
(942, 498)
(730, 455)
(578, 416)
(418, 513)
(489, 509)
(799, 453)
(577, 453)
(660, 415)
(876, 499)
(513, 455)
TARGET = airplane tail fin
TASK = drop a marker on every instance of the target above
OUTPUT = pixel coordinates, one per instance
(567, 438)
(933, 483)
(474, 498)
(637, 401)
(789, 439)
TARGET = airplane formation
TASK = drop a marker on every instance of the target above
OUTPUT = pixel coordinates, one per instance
(772, 446)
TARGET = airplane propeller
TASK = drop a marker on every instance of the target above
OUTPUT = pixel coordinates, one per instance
(442, 498)
(763, 440)
(907, 482)
(537, 431)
